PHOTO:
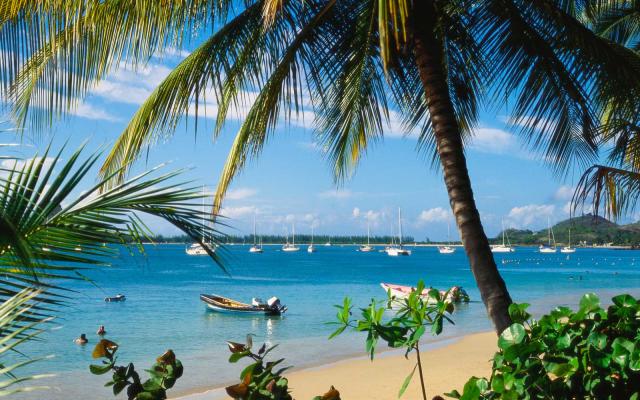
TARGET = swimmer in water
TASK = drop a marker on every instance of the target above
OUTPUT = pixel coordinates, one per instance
(82, 339)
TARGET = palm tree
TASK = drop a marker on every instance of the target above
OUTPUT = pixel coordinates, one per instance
(433, 62)
(49, 235)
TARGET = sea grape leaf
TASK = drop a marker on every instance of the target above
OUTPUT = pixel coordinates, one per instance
(513, 335)
(589, 302)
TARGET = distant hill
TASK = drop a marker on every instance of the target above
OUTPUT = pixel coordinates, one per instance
(588, 228)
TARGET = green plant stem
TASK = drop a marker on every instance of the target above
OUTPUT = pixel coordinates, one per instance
(424, 391)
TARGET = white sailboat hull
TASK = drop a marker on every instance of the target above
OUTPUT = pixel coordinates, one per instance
(197, 250)
(547, 250)
(255, 249)
(502, 249)
(366, 249)
(568, 250)
(290, 249)
(311, 249)
(446, 250)
(396, 251)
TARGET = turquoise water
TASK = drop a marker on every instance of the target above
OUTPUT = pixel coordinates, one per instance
(163, 309)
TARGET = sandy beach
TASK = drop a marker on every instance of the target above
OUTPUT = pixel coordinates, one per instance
(447, 367)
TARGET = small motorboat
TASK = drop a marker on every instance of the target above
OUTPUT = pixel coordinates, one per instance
(257, 306)
(117, 298)
(456, 294)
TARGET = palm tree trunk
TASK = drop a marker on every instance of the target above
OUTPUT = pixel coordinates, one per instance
(428, 51)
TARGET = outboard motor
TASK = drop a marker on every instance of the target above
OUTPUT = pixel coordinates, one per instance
(273, 302)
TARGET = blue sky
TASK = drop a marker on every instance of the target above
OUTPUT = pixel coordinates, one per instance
(292, 181)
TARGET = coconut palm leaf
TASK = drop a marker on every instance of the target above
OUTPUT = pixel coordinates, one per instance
(612, 191)
(18, 324)
(60, 43)
(61, 234)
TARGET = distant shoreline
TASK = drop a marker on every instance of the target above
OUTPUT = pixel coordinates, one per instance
(382, 245)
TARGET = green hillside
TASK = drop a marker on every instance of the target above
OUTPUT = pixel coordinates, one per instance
(587, 228)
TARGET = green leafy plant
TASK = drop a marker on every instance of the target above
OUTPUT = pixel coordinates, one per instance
(163, 374)
(411, 317)
(589, 354)
(260, 380)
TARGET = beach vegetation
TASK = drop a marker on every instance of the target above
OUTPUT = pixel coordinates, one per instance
(163, 374)
(355, 64)
(261, 379)
(591, 353)
(412, 317)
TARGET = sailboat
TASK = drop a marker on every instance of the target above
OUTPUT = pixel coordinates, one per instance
(196, 249)
(398, 250)
(502, 248)
(568, 249)
(290, 247)
(311, 249)
(550, 248)
(366, 248)
(256, 248)
(448, 249)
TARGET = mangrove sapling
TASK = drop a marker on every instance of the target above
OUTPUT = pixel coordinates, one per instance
(259, 380)
(411, 317)
(164, 373)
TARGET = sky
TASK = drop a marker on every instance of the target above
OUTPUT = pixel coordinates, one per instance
(292, 182)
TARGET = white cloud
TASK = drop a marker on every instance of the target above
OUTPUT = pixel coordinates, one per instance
(356, 212)
(336, 194)
(525, 216)
(237, 212)
(175, 52)
(241, 193)
(89, 111)
(493, 140)
(437, 214)
(564, 193)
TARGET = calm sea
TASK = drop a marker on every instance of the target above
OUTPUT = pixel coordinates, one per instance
(163, 309)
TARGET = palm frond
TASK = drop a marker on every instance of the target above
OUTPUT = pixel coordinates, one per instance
(354, 106)
(281, 90)
(63, 235)
(55, 52)
(18, 324)
(614, 192)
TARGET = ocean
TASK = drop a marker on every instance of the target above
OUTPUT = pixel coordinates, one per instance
(163, 309)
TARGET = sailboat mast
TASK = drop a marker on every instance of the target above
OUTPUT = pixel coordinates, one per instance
(502, 223)
(399, 227)
(367, 232)
(255, 237)
(293, 237)
(312, 235)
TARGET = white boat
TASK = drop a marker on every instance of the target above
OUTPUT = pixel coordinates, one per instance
(311, 249)
(366, 248)
(505, 247)
(328, 244)
(456, 294)
(255, 248)
(398, 250)
(568, 249)
(448, 249)
(196, 249)
(291, 247)
(550, 248)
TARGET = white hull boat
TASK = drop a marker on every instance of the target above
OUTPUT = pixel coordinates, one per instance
(503, 248)
(456, 294)
(446, 250)
(551, 248)
(395, 251)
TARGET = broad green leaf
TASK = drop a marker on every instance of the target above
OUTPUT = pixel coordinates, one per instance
(407, 380)
(513, 335)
